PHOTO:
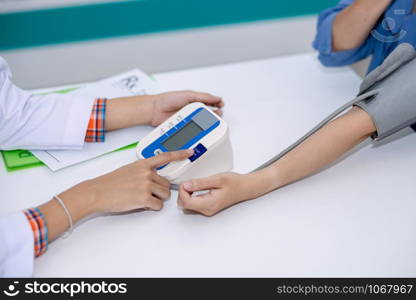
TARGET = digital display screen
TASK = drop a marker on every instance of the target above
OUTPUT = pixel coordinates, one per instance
(184, 135)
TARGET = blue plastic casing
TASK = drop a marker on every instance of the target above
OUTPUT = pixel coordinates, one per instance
(203, 118)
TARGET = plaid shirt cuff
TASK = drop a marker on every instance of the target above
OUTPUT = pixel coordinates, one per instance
(96, 128)
(40, 230)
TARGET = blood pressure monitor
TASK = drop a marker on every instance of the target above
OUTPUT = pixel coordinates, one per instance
(195, 127)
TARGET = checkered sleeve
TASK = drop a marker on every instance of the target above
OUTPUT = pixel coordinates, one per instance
(96, 128)
(40, 230)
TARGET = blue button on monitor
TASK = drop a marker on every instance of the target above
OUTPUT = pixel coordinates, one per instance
(198, 151)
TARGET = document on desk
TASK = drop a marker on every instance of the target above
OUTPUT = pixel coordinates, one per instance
(132, 83)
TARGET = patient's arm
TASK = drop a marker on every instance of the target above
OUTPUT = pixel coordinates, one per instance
(318, 151)
(322, 148)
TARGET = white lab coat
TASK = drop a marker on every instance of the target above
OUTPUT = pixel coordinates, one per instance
(29, 121)
(16, 246)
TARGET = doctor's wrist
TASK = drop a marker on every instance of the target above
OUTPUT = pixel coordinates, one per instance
(79, 202)
(145, 106)
(128, 112)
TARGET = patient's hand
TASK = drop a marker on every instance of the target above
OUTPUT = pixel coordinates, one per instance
(166, 104)
(225, 190)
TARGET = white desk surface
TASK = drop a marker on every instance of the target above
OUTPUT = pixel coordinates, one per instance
(354, 219)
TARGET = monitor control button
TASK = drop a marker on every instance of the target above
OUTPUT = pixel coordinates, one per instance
(198, 151)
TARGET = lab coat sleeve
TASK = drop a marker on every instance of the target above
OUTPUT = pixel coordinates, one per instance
(16, 246)
(323, 40)
(42, 122)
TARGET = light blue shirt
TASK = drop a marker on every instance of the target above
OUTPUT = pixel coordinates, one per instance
(397, 25)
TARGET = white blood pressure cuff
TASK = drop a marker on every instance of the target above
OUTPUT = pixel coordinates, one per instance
(393, 107)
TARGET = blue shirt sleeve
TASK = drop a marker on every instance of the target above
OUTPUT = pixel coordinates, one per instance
(323, 40)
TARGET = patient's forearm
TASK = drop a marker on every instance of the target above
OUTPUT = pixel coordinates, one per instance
(316, 152)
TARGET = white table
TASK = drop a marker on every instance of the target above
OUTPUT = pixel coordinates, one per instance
(354, 219)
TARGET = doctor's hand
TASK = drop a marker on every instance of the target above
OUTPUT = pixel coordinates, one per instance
(166, 104)
(153, 109)
(132, 187)
(225, 190)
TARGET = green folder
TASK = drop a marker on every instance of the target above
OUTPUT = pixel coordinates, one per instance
(15, 160)
(20, 159)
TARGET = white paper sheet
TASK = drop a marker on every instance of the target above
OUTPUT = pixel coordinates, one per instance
(131, 83)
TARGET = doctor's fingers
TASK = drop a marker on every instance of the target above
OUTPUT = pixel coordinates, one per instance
(153, 203)
(160, 180)
(205, 98)
(218, 112)
(167, 157)
(161, 192)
